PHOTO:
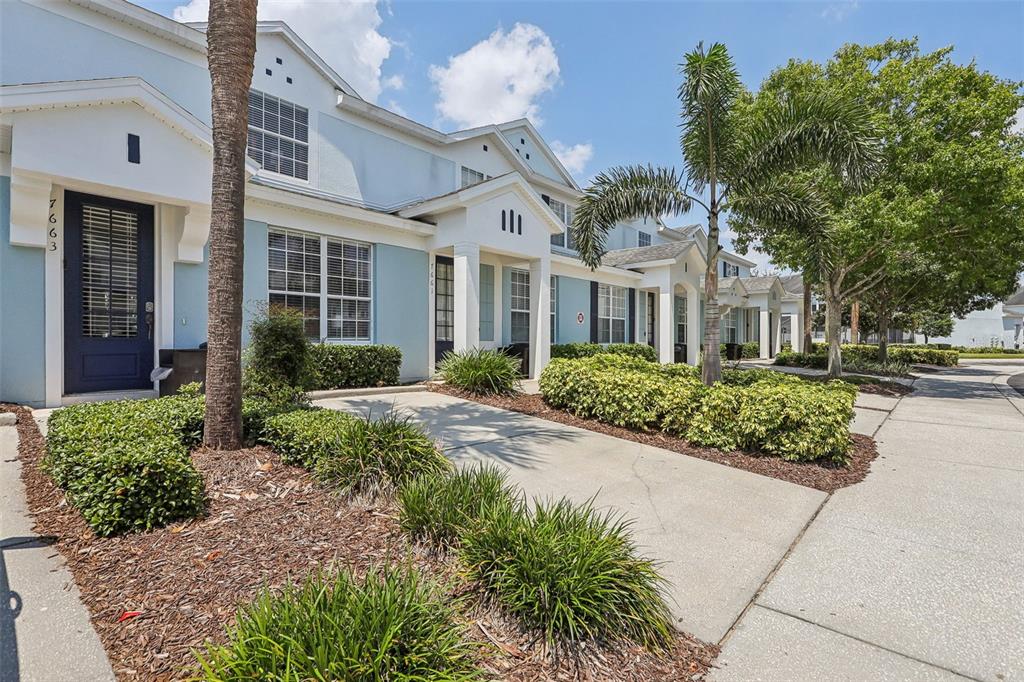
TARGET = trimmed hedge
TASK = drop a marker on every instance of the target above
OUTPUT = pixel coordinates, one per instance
(586, 350)
(125, 464)
(342, 366)
(764, 411)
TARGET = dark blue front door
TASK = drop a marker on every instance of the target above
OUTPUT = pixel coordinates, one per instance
(444, 306)
(108, 282)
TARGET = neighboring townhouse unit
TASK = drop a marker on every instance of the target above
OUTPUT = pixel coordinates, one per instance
(1001, 326)
(376, 228)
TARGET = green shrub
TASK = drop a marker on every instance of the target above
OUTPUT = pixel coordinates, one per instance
(759, 410)
(751, 349)
(278, 355)
(304, 437)
(394, 625)
(570, 572)
(585, 350)
(380, 456)
(853, 361)
(481, 370)
(441, 508)
(136, 485)
(353, 366)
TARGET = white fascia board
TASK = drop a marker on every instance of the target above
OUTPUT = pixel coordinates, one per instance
(584, 269)
(151, 22)
(482, 191)
(542, 145)
(356, 105)
(126, 90)
(337, 209)
(741, 259)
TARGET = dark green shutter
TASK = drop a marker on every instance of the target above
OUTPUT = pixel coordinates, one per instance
(631, 329)
(593, 312)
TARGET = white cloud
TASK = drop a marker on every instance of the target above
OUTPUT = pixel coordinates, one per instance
(574, 158)
(498, 79)
(344, 34)
(397, 108)
(394, 82)
(1018, 126)
(835, 12)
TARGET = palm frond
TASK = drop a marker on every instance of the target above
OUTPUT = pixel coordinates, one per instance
(807, 129)
(624, 193)
(711, 84)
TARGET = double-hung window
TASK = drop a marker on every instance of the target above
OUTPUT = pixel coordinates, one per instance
(471, 177)
(643, 238)
(729, 326)
(565, 214)
(554, 306)
(680, 320)
(278, 135)
(611, 314)
(336, 306)
(520, 306)
(730, 270)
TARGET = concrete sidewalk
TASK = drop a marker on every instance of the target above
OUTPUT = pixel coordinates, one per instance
(718, 531)
(916, 573)
(45, 633)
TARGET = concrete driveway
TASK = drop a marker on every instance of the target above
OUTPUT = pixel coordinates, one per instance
(718, 531)
(917, 573)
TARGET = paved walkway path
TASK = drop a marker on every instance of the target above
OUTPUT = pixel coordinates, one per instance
(918, 572)
(45, 633)
(718, 531)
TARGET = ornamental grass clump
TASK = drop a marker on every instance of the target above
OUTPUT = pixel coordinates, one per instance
(393, 625)
(379, 456)
(569, 572)
(482, 371)
(441, 508)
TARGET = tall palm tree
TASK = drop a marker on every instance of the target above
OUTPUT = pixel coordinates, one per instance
(231, 49)
(732, 161)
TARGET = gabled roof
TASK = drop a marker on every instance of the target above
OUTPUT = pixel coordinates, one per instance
(793, 284)
(731, 285)
(760, 285)
(634, 257)
(148, 21)
(482, 191)
(100, 91)
(292, 38)
(499, 128)
(1017, 299)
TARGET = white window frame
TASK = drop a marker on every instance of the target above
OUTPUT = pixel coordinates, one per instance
(554, 308)
(470, 176)
(643, 238)
(322, 292)
(295, 140)
(729, 326)
(681, 319)
(519, 303)
(565, 213)
(612, 307)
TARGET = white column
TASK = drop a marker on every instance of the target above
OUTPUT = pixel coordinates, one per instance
(763, 334)
(796, 332)
(693, 340)
(540, 315)
(666, 337)
(467, 296)
(777, 324)
(499, 306)
(431, 312)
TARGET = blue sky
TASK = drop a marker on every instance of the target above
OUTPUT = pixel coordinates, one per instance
(600, 77)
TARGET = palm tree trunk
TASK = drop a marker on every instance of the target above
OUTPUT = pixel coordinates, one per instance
(711, 370)
(231, 49)
(808, 322)
(833, 331)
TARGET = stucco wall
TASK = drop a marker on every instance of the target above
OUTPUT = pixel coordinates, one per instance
(573, 298)
(400, 303)
(22, 311)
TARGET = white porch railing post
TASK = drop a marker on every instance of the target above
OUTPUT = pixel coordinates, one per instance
(666, 339)
(764, 333)
(540, 315)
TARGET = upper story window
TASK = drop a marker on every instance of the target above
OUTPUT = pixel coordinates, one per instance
(471, 177)
(730, 270)
(643, 238)
(611, 314)
(278, 135)
(565, 214)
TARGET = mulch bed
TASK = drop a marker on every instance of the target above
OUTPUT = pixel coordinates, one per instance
(892, 389)
(823, 476)
(266, 523)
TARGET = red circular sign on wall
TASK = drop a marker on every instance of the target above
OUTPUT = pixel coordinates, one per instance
(579, 318)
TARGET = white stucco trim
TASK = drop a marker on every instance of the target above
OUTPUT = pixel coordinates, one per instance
(30, 209)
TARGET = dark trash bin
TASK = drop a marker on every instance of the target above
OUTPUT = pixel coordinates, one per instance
(521, 351)
(680, 354)
(733, 351)
(186, 365)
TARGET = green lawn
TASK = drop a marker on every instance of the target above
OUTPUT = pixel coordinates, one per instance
(1008, 356)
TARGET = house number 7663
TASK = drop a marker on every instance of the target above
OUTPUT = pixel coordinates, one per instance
(52, 242)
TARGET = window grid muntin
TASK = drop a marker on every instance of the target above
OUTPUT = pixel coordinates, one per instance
(444, 301)
(729, 326)
(643, 238)
(278, 135)
(471, 177)
(565, 214)
(520, 306)
(554, 307)
(611, 314)
(349, 290)
(681, 320)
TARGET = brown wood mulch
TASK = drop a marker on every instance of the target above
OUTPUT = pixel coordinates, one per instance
(267, 523)
(824, 476)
